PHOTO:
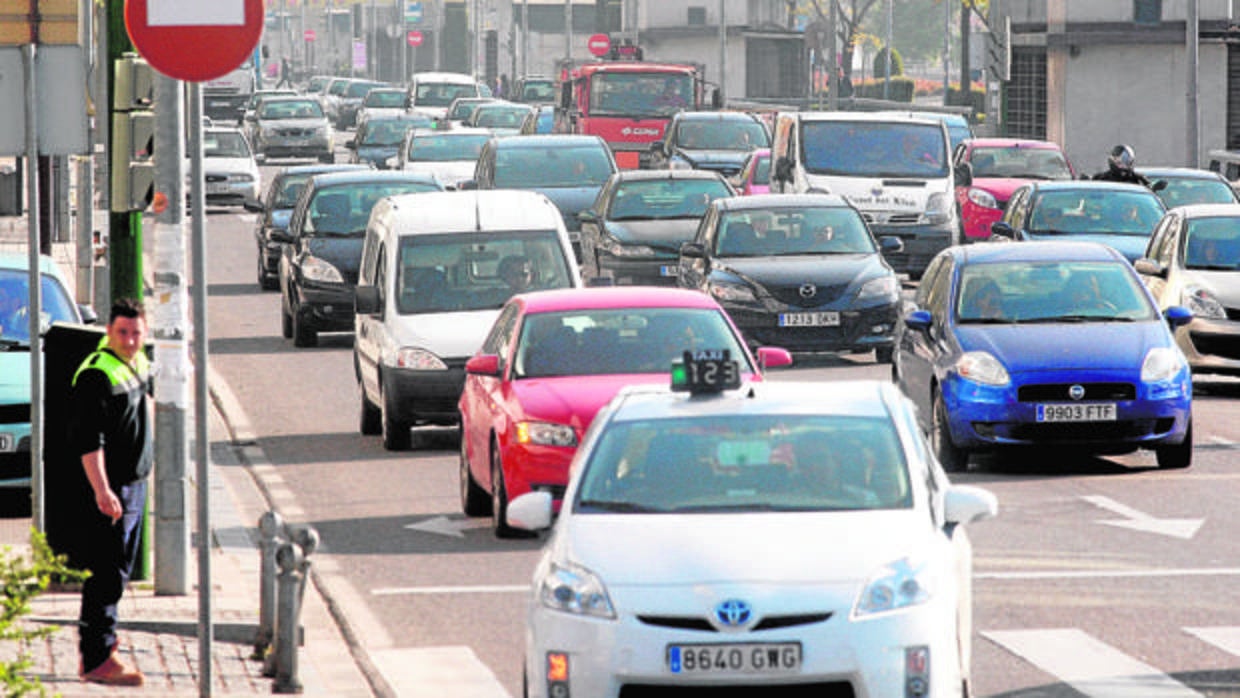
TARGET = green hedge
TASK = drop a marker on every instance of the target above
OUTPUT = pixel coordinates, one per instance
(880, 62)
(901, 89)
(975, 99)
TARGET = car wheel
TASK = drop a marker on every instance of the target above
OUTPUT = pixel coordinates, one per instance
(396, 435)
(370, 421)
(266, 281)
(286, 322)
(882, 355)
(474, 500)
(499, 499)
(303, 334)
(952, 458)
(1178, 456)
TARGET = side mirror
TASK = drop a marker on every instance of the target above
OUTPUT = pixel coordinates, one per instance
(918, 320)
(1149, 267)
(366, 300)
(1002, 230)
(964, 175)
(483, 365)
(253, 206)
(89, 316)
(963, 504)
(1159, 185)
(773, 357)
(467, 185)
(716, 99)
(1178, 315)
(531, 511)
(282, 235)
(890, 244)
(692, 250)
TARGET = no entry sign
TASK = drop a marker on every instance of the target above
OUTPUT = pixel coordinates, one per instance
(194, 40)
(414, 38)
(599, 44)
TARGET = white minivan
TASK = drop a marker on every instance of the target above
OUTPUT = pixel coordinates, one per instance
(436, 267)
(895, 169)
(432, 93)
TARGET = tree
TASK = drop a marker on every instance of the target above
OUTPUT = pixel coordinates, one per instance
(849, 33)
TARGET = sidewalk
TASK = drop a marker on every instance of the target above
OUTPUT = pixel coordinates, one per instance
(159, 634)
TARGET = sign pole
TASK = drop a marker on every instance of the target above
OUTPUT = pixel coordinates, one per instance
(37, 498)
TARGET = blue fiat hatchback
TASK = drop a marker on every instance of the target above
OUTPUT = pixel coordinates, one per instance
(1044, 344)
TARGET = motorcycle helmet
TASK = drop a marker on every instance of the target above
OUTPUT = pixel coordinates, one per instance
(1122, 158)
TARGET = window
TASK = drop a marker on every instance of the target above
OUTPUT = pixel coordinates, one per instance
(697, 16)
(1146, 11)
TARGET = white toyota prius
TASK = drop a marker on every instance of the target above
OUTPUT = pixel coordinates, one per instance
(779, 534)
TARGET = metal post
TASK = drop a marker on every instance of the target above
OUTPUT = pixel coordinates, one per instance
(1193, 127)
(291, 562)
(198, 228)
(887, 62)
(947, 53)
(723, 51)
(833, 61)
(36, 292)
(171, 352)
(439, 8)
(269, 526)
(568, 32)
(402, 44)
(525, 38)
(84, 287)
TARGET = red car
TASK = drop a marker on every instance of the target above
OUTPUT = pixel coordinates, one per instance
(997, 167)
(553, 359)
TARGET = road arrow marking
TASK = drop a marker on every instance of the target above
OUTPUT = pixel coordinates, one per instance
(444, 526)
(1140, 521)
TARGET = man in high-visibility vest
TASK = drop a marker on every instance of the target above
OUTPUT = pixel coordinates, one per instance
(111, 430)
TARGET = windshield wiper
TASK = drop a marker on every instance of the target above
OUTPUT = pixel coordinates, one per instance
(1074, 318)
(1213, 267)
(10, 344)
(985, 321)
(623, 507)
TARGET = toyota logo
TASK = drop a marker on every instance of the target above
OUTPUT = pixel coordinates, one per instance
(807, 290)
(1076, 392)
(733, 613)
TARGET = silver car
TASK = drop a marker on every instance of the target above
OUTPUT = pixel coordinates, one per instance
(229, 170)
(292, 127)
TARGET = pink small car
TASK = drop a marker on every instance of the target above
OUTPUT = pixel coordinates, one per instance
(755, 174)
(998, 167)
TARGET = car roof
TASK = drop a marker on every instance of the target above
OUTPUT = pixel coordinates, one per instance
(1088, 184)
(1184, 172)
(321, 169)
(770, 201)
(649, 175)
(289, 98)
(332, 179)
(715, 116)
(21, 261)
(1012, 143)
(549, 139)
(878, 117)
(454, 78)
(1209, 210)
(1036, 251)
(224, 129)
(854, 398)
(472, 210)
(612, 297)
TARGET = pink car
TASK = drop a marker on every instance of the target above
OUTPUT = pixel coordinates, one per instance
(755, 174)
(997, 167)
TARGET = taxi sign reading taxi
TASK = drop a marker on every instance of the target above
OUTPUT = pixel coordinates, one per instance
(706, 371)
(599, 44)
(194, 40)
(414, 38)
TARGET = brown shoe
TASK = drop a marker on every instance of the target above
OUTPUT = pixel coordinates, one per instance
(114, 673)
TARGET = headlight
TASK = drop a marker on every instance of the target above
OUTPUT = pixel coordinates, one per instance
(1202, 303)
(315, 269)
(1161, 363)
(417, 359)
(241, 177)
(983, 198)
(882, 287)
(573, 589)
(733, 293)
(982, 367)
(614, 247)
(939, 208)
(546, 434)
(898, 585)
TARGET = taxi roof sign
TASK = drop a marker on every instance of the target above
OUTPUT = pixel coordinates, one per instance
(706, 371)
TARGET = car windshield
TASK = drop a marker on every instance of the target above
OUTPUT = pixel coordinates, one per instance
(1019, 162)
(1213, 243)
(224, 145)
(442, 94)
(344, 210)
(616, 341)
(445, 148)
(358, 90)
(288, 190)
(316, 84)
(665, 198)
(721, 134)
(338, 87)
(1094, 211)
(751, 463)
(1182, 191)
(386, 99)
(524, 167)
(384, 132)
(640, 94)
(1035, 292)
(290, 109)
(462, 109)
(540, 91)
(15, 306)
(792, 231)
(461, 271)
(874, 149)
(494, 116)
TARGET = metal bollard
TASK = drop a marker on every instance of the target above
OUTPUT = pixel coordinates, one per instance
(293, 560)
(269, 526)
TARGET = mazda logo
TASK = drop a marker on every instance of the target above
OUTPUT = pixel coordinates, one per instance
(807, 290)
(1076, 392)
(733, 613)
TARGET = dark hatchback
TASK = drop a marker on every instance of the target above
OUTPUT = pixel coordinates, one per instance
(633, 233)
(800, 271)
(710, 140)
(318, 269)
(282, 196)
(1183, 186)
(378, 138)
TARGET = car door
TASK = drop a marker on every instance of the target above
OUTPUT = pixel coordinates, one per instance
(484, 397)
(694, 271)
(592, 229)
(370, 328)
(1161, 249)
(919, 350)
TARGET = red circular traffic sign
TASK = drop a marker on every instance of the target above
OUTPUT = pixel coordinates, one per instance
(599, 44)
(308, 35)
(414, 37)
(193, 40)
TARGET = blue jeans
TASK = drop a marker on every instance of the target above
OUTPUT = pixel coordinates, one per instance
(109, 552)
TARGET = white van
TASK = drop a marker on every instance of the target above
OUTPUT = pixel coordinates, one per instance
(1227, 163)
(895, 169)
(432, 93)
(429, 289)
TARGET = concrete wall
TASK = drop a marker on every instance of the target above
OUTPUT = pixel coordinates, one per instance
(1027, 11)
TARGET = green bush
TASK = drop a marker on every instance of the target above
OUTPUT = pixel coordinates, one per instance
(901, 89)
(880, 63)
(974, 99)
(23, 579)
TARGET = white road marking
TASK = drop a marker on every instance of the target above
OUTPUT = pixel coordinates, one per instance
(1111, 574)
(1226, 638)
(1089, 665)
(435, 672)
(451, 527)
(492, 589)
(1140, 521)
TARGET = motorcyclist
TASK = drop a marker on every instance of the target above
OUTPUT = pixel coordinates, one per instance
(1120, 167)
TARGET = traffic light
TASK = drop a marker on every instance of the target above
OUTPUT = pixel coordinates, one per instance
(133, 135)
